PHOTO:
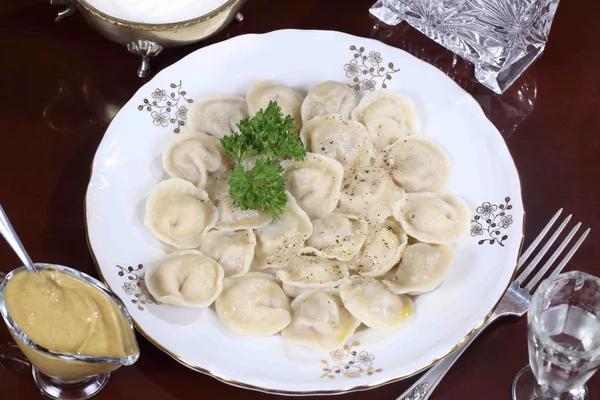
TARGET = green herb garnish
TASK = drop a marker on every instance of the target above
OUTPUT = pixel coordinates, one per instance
(271, 137)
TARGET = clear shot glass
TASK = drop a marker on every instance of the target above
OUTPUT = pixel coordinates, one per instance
(564, 339)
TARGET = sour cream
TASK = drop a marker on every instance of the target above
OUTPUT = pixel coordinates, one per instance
(156, 11)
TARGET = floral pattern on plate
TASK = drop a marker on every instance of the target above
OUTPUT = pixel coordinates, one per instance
(165, 108)
(349, 363)
(490, 221)
(135, 286)
(367, 69)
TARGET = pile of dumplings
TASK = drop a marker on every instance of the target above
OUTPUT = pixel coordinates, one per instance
(367, 223)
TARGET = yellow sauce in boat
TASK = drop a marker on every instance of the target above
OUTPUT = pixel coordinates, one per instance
(69, 316)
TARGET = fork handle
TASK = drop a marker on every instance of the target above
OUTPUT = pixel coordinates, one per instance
(422, 388)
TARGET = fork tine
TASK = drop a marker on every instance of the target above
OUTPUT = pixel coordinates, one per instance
(527, 271)
(552, 259)
(538, 239)
(569, 254)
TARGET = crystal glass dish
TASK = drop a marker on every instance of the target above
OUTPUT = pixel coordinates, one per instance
(502, 38)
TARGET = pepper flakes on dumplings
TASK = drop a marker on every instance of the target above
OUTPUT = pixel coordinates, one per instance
(370, 194)
(416, 164)
(382, 249)
(339, 138)
(306, 273)
(336, 236)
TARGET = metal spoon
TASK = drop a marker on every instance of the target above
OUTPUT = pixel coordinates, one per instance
(11, 237)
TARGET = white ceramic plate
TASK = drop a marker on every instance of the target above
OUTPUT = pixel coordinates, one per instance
(128, 166)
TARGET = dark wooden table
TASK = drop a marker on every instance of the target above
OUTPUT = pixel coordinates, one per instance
(61, 83)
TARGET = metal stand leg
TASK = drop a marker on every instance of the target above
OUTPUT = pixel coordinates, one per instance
(71, 6)
(146, 49)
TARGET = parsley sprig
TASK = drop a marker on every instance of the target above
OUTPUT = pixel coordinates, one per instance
(271, 137)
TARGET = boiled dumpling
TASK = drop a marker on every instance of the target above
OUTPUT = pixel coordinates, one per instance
(231, 217)
(192, 157)
(178, 213)
(387, 117)
(369, 301)
(283, 239)
(315, 183)
(305, 273)
(337, 236)
(382, 250)
(421, 270)
(329, 97)
(186, 278)
(293, 291)
(370, 194)
(218, 115)
(217, 184)
(417, 164)
(434, 218)
(320, 321)
(288, 99)
(253, 305)
(339, 138)
(234, 250)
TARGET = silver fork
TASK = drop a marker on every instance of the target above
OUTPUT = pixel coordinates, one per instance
(515, 301)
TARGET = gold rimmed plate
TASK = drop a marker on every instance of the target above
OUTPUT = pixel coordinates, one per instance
(128, 166)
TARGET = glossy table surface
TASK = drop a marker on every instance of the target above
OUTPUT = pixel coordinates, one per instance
(61, 83)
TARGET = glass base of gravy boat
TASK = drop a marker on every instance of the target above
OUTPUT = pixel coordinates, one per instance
(63, 376)
(57, 389)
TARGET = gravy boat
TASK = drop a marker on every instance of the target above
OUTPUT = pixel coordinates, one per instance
(63, 375)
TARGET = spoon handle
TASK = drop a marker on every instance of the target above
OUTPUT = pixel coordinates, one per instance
(11, 237)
